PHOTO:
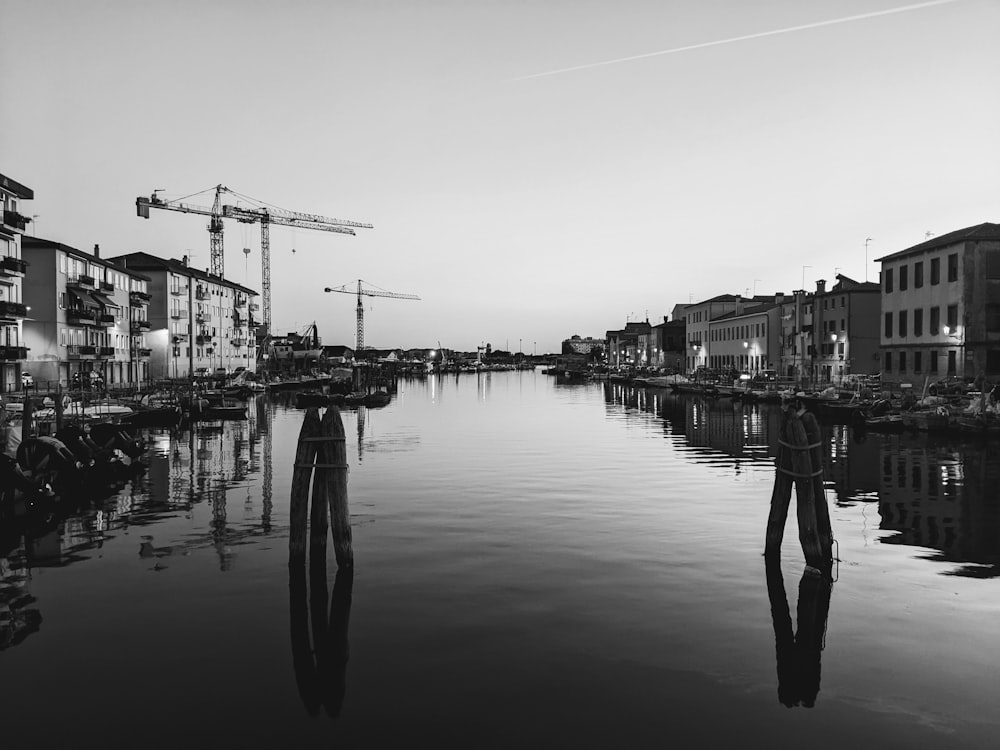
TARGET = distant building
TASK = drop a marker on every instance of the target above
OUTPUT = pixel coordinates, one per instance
(13, 311)
(338, 355)
(746, 340)
(196, 321)
(941, 307)
(845, 338)
(669, 345)
(623, 347)
(697, 317)
(576, 345)
(796, 338)
(88, 315)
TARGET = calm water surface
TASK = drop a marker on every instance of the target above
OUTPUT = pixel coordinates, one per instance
(537, 565)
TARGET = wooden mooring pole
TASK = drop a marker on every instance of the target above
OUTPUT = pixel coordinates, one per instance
(799, 462)
(320, 460)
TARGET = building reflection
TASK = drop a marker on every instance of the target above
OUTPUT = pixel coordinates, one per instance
(934, 494)
(943, 496)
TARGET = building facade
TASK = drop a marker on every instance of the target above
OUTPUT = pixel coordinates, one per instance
(940, 305)
(624, 347)
(13, 310)
(845, 338)
(197, 322)
(796, 338)
(88, 315)
(746, 342)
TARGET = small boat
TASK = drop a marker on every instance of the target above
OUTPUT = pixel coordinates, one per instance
(927, 420)
(885, 423)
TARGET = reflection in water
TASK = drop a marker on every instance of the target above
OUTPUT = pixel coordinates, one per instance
(934, 495)
(320, 666)
(798, 653)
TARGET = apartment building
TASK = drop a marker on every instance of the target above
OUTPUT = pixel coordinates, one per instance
(796, 338)
(940, 306)
(845, 338)
(87, 315)
(630, 346)
(746, 340)
(13, 311)
(198, 322)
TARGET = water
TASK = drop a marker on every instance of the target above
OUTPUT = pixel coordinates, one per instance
(536, 566)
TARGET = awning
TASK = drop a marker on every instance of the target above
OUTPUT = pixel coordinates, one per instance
(83, 299)
(104, 300)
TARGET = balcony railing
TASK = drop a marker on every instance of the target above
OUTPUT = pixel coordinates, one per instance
(80, 316)
(241, 302)
(179, 314)
(238, 341)
(203, 317)
(82, 279)
(254, 307)
(139, 298)
(201, 293)
(106, 320)
(178, 290)
(81, 351)
(203, 339)
(11, 266)
(15, 220)
(13, 353)
(107, 286)
(105, 351)
(138, 326)
(12, 310)
(143, 353)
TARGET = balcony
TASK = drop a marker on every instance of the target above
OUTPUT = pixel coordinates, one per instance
(201, 339)
(105, 351)
(138, 326)
(254, 307)
(80, 316)
(202, 293)
(241, 302)
(82, 280)
(11, 266)
(144, 353)
(238, 341)
(178, 291)
(82, 351)
(105, 319)
(12, 310)
(179, 314)
(107, 286)
(15, 220)
(13, 353)
(139, 298)
(203, 317)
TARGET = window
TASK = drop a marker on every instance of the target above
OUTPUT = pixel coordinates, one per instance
(902, 362)
(843, 301)
(887, 361)
(843, 324)
(918, 274)
(903, 278)
(917, 360)
(935, 325)
(902, 324)
(934, 361)
(952, 362)
(953, 267)
(840, 348)
(992, 264)
(888, 281)
(918, 322)
(888, 325)
(952, 318)
(935, 271)
(993, 318)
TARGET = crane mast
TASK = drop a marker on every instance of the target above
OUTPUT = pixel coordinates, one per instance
(264, 215)
(361, 308)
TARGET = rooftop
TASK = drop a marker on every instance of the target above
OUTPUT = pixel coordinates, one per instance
(978, 233)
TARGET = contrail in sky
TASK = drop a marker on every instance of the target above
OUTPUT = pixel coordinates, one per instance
(774, 32)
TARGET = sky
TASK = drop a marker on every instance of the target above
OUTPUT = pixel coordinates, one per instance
(533, 170)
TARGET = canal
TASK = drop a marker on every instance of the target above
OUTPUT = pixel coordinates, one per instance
(537, 565)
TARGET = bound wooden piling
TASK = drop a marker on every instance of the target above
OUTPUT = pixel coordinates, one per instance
(794, 466)
(321, 457)
(823, 526)
(59, 407)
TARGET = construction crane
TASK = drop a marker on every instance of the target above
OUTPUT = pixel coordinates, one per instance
(266, 215)
(361, 309)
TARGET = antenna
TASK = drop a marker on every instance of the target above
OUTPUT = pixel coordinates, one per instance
(867, 240)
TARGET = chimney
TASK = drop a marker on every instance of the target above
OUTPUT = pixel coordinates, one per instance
(739, 305)
(779, 298)
(821, 286)
(97, 250)
(184, 260)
